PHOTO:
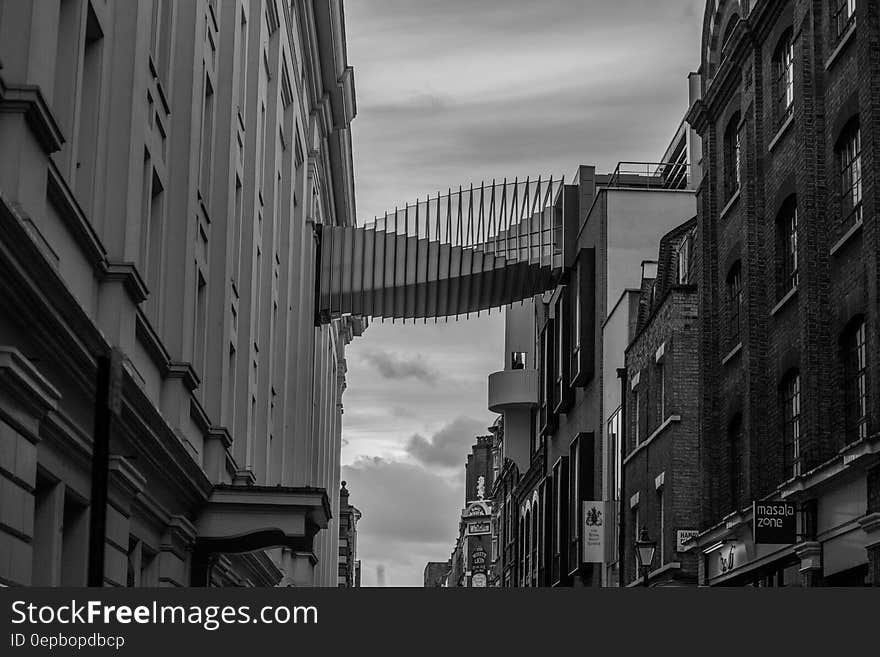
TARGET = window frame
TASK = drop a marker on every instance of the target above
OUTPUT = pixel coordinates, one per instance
(855, 368)
(848, 153)
(783, 78)
(791, 402)
(732, 172)
(787, 244)
(734, 291)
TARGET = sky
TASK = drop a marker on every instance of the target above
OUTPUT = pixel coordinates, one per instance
(451, 92)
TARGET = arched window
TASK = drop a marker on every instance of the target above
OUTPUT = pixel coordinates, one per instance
(734, 305)
(787, 248)
(790, 402)
(855, 370)
(783, 78)
(732, 157)
(736, 443)
(849, 166)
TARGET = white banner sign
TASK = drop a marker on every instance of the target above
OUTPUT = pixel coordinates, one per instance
(593, 532)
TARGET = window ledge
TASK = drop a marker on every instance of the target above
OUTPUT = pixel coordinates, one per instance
(839, 244)
(730, 204)
(672, 419)
(792, 293)
(841, 46)
(732, 354)
(783, 129)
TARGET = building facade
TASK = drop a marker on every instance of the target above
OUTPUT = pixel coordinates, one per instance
(164, 166)
(660, 472)
(787, 266)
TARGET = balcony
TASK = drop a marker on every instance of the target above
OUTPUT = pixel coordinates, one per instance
(513, 388)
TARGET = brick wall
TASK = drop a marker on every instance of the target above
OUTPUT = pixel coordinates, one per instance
(674, 451)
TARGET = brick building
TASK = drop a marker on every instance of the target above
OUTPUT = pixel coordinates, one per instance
(661, 477)
(787, 262)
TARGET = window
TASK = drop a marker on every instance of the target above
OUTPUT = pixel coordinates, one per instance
(684, 259)
(783, 78)
(614, 453)
(207, 139)
(732, 157)
(661, 538)
(518, 360)
(787, 249)
(844, 16)
(791, 429)
(856, 381)
(849, 157)
(661, 384)
(242, 62)
(636, 402)
(560, 515)
(734, 305)
(737, 464)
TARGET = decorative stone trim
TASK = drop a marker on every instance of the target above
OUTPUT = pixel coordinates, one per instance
(184, 371)
(179, 537)
(810, 555)
(871, 524)
(124, 477)
(28, 100)
(792, 293)
(23, 381)
(128, 274)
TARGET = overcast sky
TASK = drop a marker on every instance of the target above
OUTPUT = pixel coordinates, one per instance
(451, 92)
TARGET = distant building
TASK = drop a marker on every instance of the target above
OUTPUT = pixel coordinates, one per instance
(470, 565)
(349, 565)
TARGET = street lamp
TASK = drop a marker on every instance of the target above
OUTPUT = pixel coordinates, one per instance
(645, 550)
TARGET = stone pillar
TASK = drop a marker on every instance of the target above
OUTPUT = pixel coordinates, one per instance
(175, 552)
(301, 568)
(125, 483)
(810, 554)
(25, 398)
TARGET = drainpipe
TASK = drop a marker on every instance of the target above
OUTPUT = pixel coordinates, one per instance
(621, 442)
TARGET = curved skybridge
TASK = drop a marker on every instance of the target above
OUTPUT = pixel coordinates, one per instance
(454, 254)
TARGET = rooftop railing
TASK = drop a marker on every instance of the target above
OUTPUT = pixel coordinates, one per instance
(651, 175)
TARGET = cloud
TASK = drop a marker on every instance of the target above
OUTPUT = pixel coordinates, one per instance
(410, 517)
(448, 447)
(397, 366)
